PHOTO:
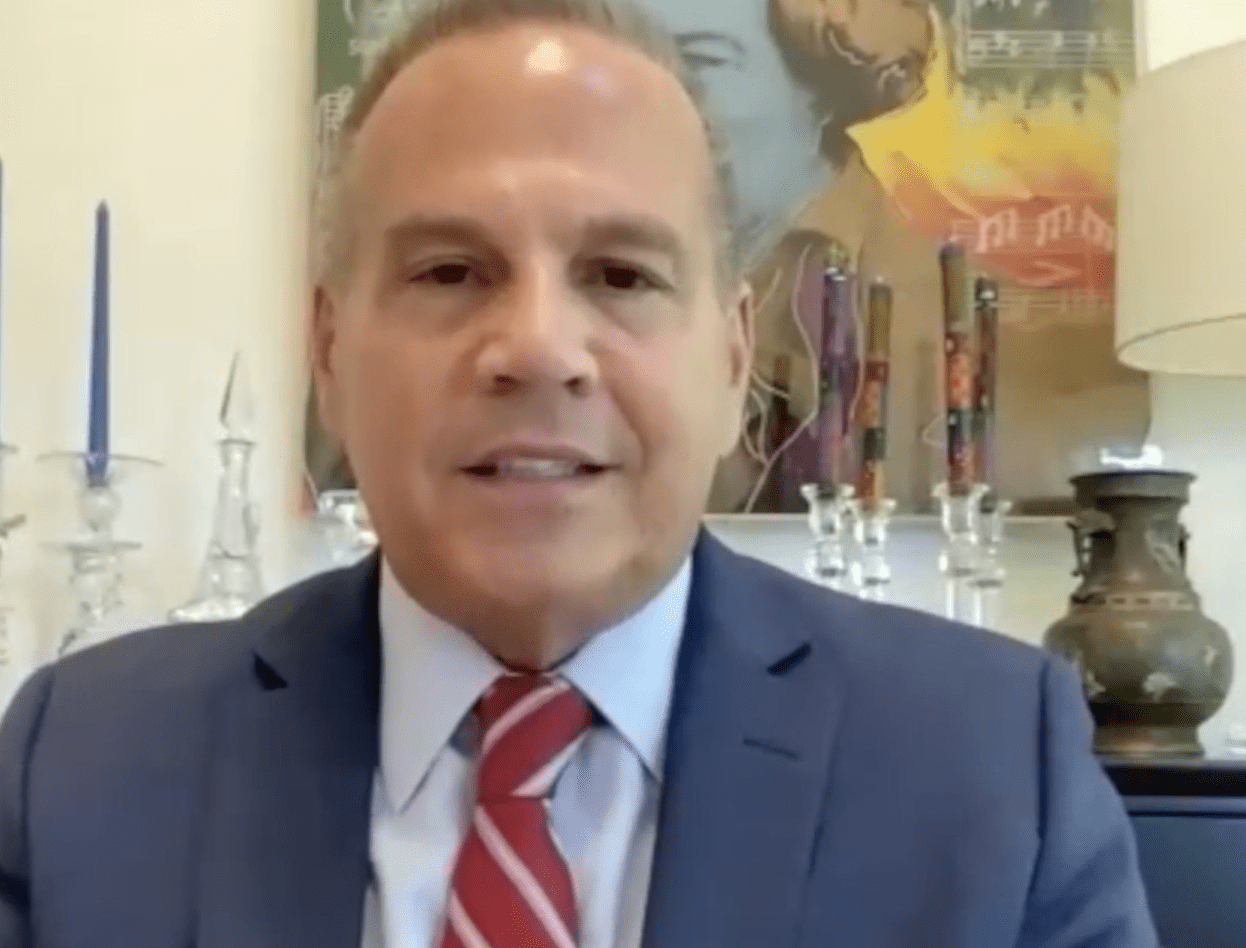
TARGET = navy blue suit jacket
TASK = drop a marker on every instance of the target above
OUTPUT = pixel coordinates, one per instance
(839, 774)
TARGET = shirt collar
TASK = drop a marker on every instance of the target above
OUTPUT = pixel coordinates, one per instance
(432, 673)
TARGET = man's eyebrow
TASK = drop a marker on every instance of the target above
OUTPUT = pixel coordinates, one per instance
(637, 231)
(429, 228)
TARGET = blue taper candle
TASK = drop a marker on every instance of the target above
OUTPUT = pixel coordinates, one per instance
(97, 426)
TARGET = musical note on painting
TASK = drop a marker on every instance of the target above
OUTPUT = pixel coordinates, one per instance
(1010, 231)
(1097, 231)
(1006, 43)
(1054, 224)
(999, 230)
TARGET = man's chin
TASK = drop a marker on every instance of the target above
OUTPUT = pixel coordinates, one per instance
(532, 569)
(558, 600)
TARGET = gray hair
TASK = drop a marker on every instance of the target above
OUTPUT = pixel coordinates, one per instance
(624, 21)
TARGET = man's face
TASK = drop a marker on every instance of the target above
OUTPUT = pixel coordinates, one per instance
(530, 363)
(873, 52)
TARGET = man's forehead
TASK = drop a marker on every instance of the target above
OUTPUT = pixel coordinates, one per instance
(565, 56)
(533, 88)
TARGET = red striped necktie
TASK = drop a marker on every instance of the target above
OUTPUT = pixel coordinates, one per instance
(511, 887)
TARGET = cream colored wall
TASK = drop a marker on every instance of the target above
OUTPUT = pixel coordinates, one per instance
(192, 118)
(1174, 29)
(1201, 423)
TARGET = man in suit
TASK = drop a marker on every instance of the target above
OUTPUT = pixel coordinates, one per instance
(552, 711)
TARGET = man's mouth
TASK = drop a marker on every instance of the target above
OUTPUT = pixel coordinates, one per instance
(535, 469)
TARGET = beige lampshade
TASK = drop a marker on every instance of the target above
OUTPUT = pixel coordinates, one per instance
(1181, 241)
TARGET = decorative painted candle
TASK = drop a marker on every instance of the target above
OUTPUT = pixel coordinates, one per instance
(838, 369)
(872, 407)
(958, 369)
(986, 311)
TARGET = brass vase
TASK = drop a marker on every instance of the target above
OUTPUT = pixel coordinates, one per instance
(1153, 666)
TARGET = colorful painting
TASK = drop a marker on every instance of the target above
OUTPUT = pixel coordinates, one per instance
(866, 135)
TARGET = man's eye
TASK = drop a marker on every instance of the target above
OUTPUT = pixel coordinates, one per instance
(445, 274)
(621, 277)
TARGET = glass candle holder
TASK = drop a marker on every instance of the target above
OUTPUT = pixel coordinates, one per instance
(992, 572)
(95, 554)
(344, 523)
(829, 511)
(871, 572)
(9, 523)
(960, 516)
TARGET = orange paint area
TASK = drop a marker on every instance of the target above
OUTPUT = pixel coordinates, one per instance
(1027, 188)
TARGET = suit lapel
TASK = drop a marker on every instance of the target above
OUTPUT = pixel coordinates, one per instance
(284, 856)
(753, 721)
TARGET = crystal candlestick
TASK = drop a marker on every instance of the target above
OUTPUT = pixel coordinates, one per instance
(829, 508)
(345, 525)
(871, 573)
(230, 579)
(959, 558)
(8, 524)
(95, 554)
(991, 573)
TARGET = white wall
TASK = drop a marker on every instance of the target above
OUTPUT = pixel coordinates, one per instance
(193, 119)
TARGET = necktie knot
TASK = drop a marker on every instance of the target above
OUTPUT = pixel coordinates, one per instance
(530, 726)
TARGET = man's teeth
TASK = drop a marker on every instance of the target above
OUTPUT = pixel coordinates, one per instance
(537, 468)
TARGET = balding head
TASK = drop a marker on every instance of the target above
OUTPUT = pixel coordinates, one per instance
(437, 21)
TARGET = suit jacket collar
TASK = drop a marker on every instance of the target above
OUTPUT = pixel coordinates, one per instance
(300, 637)
(287, 806)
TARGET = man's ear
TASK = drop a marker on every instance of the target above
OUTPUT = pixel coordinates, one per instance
(741, 339)
(324, 329)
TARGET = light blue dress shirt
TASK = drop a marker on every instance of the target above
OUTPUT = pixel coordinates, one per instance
(604, 806)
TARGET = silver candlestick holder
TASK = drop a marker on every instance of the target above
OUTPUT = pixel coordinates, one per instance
(992, 572)
(8, 524)
(230, 579)
(344, 523)
(95, 554)
(829, 512)
(871, 573)
(960, 514)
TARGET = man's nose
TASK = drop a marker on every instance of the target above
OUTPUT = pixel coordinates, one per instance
(539, 337)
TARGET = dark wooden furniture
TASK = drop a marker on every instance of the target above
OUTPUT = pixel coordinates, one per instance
(1190, 820)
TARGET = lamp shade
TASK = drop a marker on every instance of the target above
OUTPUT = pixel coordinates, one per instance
(1181, 217)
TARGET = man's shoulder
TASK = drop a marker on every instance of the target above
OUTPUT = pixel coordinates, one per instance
(181, 662)
(947, 708)
(873, 644)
